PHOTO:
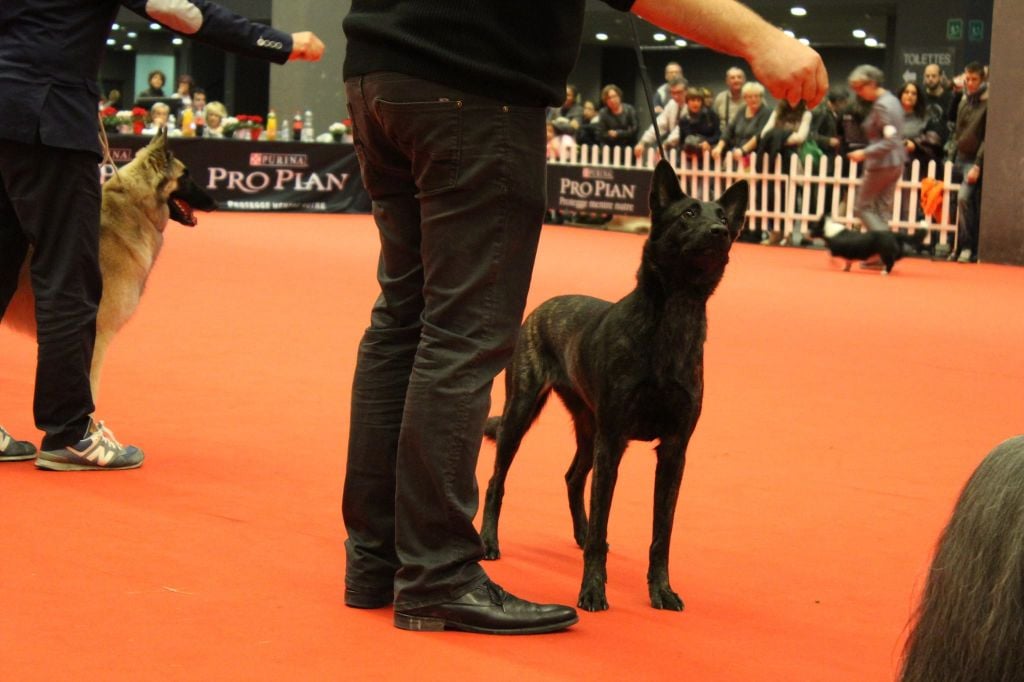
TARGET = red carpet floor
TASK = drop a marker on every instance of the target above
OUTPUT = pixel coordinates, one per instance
(842, 415)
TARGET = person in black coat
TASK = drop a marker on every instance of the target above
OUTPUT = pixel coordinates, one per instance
(50, 54)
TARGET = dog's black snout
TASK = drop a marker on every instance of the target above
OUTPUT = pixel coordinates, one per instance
(720, 231)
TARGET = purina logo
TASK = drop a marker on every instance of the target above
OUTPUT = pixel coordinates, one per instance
(598, 174)
(265, 160)
(122, 155)
(272, 44)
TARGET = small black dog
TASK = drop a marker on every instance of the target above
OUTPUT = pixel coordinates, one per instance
(632, 370)
(853, 245)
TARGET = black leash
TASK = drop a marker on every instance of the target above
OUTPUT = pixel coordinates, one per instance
(645, 79)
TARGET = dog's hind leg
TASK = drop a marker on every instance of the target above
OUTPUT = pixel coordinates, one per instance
(667, 479)
(521, 408)
(99, 353)
(608, 452)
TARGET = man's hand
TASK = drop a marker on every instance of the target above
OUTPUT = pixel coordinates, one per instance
(306, 46)
(973, 175)
(857, 155)
(790, 70)
(638, 150)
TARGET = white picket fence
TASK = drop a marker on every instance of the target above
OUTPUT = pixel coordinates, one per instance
(799, 195)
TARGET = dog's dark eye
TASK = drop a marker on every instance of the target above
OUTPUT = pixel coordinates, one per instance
(690, 212)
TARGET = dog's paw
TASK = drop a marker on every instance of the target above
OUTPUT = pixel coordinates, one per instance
(491, 552)
(592, 597)
(662, 597)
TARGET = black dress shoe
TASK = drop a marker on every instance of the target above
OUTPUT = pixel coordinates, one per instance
(488, 609)
(357, 599)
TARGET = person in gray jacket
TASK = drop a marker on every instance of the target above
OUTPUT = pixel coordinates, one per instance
(884, 155)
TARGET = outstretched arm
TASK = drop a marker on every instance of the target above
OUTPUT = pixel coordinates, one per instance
(208, 22)
(787, 68)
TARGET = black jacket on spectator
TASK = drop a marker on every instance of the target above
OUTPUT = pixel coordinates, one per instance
(624, 123)
(705, 124)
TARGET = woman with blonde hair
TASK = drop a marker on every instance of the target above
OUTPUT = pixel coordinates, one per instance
(215, 115)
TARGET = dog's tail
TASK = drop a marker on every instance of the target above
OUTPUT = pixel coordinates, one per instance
(491, 428)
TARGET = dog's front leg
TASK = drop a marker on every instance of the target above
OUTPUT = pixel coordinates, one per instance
(667, 478)
(607, 455)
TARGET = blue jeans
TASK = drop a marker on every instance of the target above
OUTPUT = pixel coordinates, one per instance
(968, 205)
(457, 183)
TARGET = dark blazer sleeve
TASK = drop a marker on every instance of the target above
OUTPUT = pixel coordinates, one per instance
(214, 25)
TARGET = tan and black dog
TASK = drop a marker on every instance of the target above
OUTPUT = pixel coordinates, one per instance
(138, 202)
(632, 370)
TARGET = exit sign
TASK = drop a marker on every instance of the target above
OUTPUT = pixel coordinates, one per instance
(976, 30)
(955, 29)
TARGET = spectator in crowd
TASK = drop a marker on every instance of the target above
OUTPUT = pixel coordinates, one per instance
(786, 129)
(921, 133)
(741, 135)
(667, 121)
(113, 99)
(729, 102)
(198, 102)
(587, 134)
(826, 132)
(969, 137)
(662, 96)
(183, 91)
(570, 109)
(561, 138)
(922, 139)
(159, 115)
(699, 129)
(617, 123)
(884, 155)
(937, 98)
(826, 121)
(156, 82)
(214, 119)
(969, 626)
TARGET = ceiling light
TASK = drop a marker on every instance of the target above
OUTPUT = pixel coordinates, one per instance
(126, 47)
(805, 41)
(660, 37)
(859, 33)
(133, 34)
(155, 26)
(601, 36)
(115, 27)
(789, 33)
(798, 11)
(176, 41)
(870, 42)
(680, 42)
(111, 41)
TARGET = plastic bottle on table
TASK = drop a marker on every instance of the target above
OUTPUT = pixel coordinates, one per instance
(297, 127)
(271, 125)
(308, 134)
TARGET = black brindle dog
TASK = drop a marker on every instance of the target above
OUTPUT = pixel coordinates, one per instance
(632, 370)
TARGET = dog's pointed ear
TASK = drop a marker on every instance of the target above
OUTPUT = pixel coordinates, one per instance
(665, 188)
(734, 203)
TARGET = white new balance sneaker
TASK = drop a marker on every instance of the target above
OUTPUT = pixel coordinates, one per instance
(97, 452)
(14, 450)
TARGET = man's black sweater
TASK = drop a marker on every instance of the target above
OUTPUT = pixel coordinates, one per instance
(517, 52)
